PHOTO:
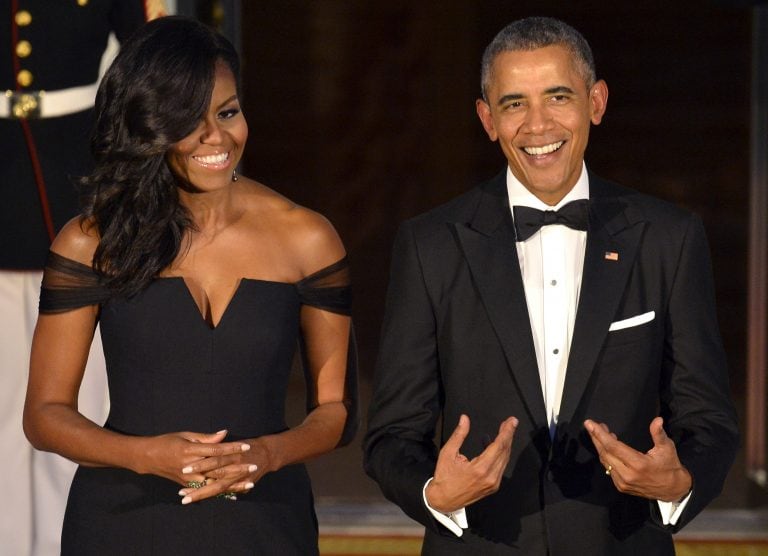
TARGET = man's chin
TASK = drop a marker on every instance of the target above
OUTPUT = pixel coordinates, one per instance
(549, 189)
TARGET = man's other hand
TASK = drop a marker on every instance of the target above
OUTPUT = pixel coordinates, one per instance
(460, 481)
(657, 474)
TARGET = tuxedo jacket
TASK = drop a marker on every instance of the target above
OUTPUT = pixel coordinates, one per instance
(456, 339)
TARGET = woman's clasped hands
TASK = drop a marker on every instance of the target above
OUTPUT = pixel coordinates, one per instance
(205, 465)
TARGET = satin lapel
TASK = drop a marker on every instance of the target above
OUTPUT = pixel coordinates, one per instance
(489, 247)
(612, 243)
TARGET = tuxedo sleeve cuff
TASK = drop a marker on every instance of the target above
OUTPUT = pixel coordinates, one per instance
(670, 511)
(455, 522)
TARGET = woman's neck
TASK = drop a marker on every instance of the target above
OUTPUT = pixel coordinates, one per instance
(211, 211)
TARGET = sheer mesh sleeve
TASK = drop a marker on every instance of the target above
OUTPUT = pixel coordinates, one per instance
(68, 285)
(328, 289)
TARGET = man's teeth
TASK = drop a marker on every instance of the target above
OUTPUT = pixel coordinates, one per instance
(546, 149)
(213, 158)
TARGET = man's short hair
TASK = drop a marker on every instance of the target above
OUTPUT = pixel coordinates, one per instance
(537, 32)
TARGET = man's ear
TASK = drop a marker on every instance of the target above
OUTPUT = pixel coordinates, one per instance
(484, 113)
(598, 101)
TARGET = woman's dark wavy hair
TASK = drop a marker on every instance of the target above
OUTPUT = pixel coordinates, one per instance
(154, 94)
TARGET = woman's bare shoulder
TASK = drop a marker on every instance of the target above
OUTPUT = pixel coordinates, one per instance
(307, 235)
(263, 201)
(313, 239)
(77, 240)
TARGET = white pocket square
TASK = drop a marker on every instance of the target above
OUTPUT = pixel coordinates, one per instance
(637, 320)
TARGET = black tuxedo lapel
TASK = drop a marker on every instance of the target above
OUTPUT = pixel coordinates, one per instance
(612, 243)
(489, 247)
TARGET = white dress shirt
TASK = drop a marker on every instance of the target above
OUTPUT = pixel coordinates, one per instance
(551, 264)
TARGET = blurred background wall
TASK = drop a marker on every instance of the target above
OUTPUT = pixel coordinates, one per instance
(364, 111)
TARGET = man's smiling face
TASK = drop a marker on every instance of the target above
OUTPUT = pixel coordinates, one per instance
(540, 110)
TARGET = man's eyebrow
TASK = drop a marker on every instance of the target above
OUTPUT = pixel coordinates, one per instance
(559, 89)
(510, 97)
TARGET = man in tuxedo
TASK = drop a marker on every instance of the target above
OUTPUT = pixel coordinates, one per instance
(561, 331)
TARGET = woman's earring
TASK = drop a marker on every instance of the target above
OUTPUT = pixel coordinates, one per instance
(234, 175)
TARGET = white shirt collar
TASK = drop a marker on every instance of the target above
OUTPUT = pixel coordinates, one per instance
(519, 195)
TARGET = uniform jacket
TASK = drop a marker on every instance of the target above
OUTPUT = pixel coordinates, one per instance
(59, 44)
(457, 339)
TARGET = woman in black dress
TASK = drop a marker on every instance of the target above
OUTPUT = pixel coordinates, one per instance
(204, 283)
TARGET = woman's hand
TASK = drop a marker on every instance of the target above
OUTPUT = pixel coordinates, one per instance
(169, 454)
(227, 475)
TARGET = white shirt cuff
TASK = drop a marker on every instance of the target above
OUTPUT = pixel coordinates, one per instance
(670, 511)
(455, 522)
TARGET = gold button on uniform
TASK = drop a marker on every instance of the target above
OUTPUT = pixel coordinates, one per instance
(82, 2)
(23, 49)
(24, 78)
(23, 18)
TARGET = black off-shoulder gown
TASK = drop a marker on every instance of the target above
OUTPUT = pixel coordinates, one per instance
(169, 371)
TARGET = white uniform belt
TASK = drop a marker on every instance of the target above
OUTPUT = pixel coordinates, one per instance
(47, 104)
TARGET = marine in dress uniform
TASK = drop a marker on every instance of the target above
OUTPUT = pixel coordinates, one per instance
(48, 81)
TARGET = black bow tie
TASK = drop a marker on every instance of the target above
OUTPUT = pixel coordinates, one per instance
(528, 220)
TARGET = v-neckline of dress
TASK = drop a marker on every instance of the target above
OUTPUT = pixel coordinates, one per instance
(209, 324)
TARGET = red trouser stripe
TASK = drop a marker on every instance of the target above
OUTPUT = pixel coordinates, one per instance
(45, 206)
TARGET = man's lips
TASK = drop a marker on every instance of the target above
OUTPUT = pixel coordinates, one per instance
(544, 149)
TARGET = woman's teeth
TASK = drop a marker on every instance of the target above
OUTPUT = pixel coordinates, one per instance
(212, 159)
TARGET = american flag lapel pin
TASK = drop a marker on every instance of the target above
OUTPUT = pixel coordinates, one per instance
(611, 256)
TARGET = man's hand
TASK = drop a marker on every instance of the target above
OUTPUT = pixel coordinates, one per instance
(459, 481)
(657, 474)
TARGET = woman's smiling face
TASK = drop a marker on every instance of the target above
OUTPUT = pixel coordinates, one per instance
(206, 158)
